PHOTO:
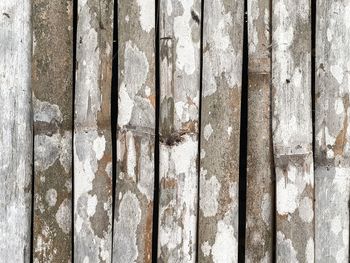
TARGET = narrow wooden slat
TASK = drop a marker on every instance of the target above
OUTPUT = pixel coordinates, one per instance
(52, 104)
(92, 133)
(136, 129)
(292, 130)
(332, 174)
(220, 130)
(260, 192)
(179, 102)
(15, 131)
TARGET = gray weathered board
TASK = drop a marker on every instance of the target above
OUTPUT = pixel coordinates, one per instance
(56, 147)
(220, 131)
(16, 144)
(52, 93)
(92, 133)
(260, 192)
(133, 221)
(332, 152)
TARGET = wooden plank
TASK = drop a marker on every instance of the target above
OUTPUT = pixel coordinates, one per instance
(332, 174)
(52, 104)
(179, 102)
(136, 132)
(16, 131)
(292, 130)
(260, 192)
(92, 133)
(220, 131)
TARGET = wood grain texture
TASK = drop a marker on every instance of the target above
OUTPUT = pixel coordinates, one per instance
(16, 131)
(92, 133)
(136, 131)
(220, 130)
(179, 102)
(332, 174)
(260, 192)
(292, 130)
(52, 105)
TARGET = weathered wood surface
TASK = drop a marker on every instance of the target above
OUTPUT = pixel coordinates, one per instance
(136, 132)
(16, 131)
(92, 133)
(220, 131)
(179, 102)
(332, 174)
(260, 192)
(292, 130)
(52, 105)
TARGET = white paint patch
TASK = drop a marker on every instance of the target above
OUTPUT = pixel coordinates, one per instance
(125, 248)
(206, 248)
(51, 197)
(169, 7)
(208, 130)
(126, 105)
(183, 33)
(339, 106)
(329, 35)
(63, 216)
(209, 193)
(337, 73)
(306, 211)
(309, 252)
(147, 19)
(286, 249)
(266, 209)
(287, 194)
(46, 112)
(131, 155)
(91, 205)
(98, 146)
(336, 225)
(229, 131)
(225, 246)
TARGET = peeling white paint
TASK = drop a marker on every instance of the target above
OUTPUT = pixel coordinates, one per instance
(287, 197)
(63, 216)
(146, 17)
(266, 208)
(309, 252)
(222, 250)
(129, 217)
(208, 130)
(185, 50)
(99, 146)
(206, 248)
(286, 249)
(306, 210)
(51, 197)
(209, 193)
(337, 73)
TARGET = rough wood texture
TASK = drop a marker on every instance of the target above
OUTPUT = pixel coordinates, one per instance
(16, 130)
(292, 130)
(220, 130)
(136, 129)
(332, 149)
(92, 133)
(179, 102)
(52, 104)
(260, 192)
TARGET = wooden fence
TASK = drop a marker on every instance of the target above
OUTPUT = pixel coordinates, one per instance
(174, 131)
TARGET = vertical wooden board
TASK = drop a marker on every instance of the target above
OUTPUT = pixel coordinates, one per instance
(136, 131)
(292, 130)
(260, 192)
(52, 104)
(179, 102)
(220, 131)
(16, 131)
(92, 133)
(332, 174)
